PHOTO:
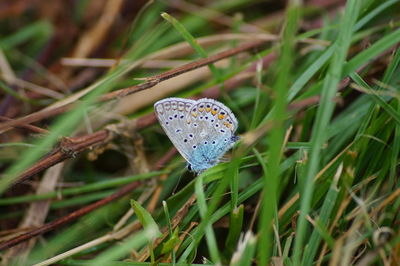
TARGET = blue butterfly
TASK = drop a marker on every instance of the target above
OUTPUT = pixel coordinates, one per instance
(202, 131)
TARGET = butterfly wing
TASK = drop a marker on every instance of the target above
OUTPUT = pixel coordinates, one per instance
(172, 115)
(202, 131)
(213, 125)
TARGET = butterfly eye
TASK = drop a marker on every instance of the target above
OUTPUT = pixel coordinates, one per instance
(235, 138)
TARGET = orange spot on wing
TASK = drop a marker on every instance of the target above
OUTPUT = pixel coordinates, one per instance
(213, 112)
(194, 114)
(227, 125)
(208, 110)
(220, 117)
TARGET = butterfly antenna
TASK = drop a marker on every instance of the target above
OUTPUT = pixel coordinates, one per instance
(179, 180)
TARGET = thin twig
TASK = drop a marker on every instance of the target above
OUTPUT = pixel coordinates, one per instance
(151, 82)
(43, 114)
(27, 126)
(69, 147)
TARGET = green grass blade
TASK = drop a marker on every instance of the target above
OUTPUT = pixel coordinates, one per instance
(276, 138)
(322, 220)
(191, 40)
(324, 114)
(235, 229)
(41, 28)
(201, 202)
(389, 109)
(132, 243)
(374, 50)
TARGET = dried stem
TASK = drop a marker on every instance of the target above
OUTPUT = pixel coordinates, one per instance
(27, 126)
(69, 147)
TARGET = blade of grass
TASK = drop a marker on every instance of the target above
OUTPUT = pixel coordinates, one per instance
(147, 222)
(381, 102)
(210, 236)
(323, 219)
(380, 8)
(134, 242)
(174, 238)
(32, 31)
(277, 134)
(191, 40)
(234, 188)
(396, 143)
(324, 114)
(10, 91)
(79, 190)
(257, 113)
(81, 200)
(235, 229)
(374, 50)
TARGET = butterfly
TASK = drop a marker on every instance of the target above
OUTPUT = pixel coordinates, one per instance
(202, 131)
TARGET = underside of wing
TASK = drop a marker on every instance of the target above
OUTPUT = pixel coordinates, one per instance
(202, 130)
(172, 115)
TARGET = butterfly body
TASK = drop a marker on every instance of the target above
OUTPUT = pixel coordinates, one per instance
(202, 131)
